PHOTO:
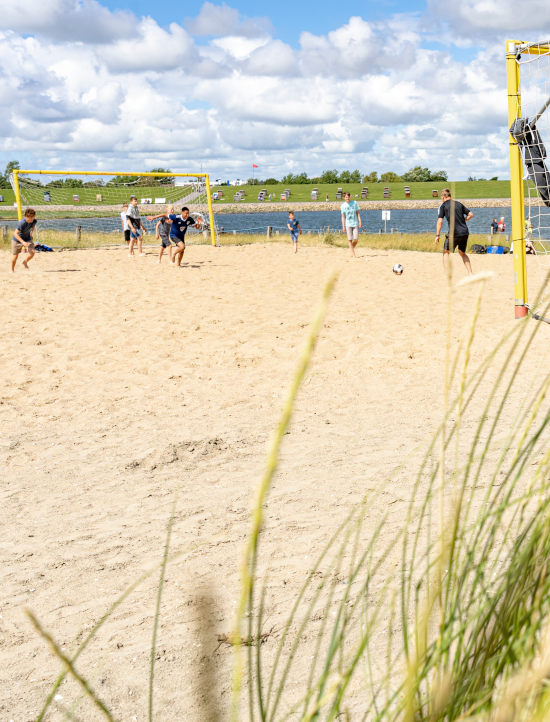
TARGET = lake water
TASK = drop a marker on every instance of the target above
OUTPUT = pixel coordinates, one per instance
(410, 220)
(406, 220)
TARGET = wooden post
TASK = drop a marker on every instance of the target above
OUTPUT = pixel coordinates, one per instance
(269, 231)
(78, 233)
(4, 233)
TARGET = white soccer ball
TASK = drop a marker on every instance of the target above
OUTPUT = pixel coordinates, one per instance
(397, 269)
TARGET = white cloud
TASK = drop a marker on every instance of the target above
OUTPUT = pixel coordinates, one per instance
(489, 18)
(222, 20)
(66, 20)
(272, 58)
(149, 48)
(238, 47)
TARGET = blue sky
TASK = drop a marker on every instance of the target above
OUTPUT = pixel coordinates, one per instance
(288, 17)
(288, 86)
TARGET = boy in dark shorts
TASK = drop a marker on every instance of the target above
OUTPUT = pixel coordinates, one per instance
(22, 238)
(456, 215)
(162, 234)
(178, 229)
(137, 229)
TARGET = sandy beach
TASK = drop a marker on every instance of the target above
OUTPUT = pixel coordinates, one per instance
(129, 387)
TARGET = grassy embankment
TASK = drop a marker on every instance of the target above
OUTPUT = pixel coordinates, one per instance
(298, 193)
(419, 191)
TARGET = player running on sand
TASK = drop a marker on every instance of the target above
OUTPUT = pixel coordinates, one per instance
(23, 238)
(178, 229)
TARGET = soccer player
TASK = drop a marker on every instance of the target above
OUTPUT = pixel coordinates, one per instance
(162, 234)
(178, 229)
(351, 221)
(456, 215)
(137, 228)
(124, 221)
(295, 230)
(23, 238)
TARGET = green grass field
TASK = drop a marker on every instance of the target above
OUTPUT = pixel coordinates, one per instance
(419, 191)
(298, 193)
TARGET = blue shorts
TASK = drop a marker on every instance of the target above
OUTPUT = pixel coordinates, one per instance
(294, 236)
(135, 234)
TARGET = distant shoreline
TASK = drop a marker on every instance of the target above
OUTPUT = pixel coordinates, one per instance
(285, 206)
(300, 206)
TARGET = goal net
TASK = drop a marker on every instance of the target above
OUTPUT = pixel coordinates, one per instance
(529, 116)
(86, 208)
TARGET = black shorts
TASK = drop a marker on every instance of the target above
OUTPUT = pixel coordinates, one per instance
(177, 240)
(459, 242)
(165, 242)
(127, 236)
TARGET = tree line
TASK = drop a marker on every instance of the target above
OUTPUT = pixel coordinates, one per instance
(413, 175)
(119, 180)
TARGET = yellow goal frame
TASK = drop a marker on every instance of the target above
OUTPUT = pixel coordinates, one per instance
(17, 172)
(513, 49)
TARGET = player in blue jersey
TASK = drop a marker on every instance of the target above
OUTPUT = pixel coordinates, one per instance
(178, 229)
(295, 230)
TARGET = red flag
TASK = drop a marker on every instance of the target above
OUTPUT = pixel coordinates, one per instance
(254, 165)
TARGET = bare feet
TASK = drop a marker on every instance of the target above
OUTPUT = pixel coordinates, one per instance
(25, 265)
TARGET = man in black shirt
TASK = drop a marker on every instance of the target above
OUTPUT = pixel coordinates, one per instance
(456, 215)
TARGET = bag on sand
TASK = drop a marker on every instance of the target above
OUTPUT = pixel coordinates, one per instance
(478, 248)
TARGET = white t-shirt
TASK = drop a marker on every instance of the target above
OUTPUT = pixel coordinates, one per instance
(124, 219)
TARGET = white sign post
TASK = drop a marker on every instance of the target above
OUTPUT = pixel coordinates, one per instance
(386, 215)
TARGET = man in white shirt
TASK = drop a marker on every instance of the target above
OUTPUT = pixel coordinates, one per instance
(124, 221)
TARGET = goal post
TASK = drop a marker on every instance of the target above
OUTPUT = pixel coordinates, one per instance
(516, 185)
(528, 86)
(95, 198)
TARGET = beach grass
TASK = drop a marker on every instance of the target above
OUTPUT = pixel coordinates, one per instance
(60, 240)
(444, 618)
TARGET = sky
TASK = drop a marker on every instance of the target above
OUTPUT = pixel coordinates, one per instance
(288, 86)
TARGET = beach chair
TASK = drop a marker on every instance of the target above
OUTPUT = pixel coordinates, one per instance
(386, 192)
(339, 194)
(364, 194)
(407, 191)
(314, 194)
